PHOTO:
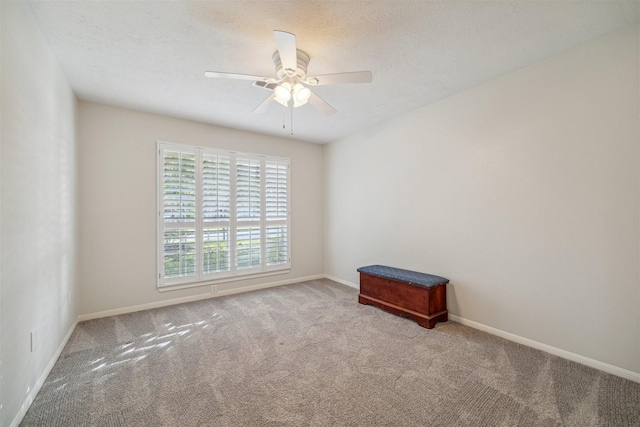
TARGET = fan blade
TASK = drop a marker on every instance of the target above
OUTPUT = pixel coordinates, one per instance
(321, 104)
(236, 76)
(340, 78)
(265, 85)
(287, 50)
(265, 104)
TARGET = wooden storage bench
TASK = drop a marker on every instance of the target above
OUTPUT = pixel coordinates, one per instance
(419, 296)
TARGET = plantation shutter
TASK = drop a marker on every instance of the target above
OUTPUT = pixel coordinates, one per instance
(179, 213)
(248, 240)
(216, 213)
(220, 215)
(277, 212)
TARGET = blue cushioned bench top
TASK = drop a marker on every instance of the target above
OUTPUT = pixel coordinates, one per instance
(401, 275)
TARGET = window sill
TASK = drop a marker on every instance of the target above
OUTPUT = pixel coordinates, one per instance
(168, 288)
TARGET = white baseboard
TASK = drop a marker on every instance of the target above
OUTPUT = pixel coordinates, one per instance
(36, 388)
(605, 367)
(630, 375)
(43, 376)
(344, 282)
(173, 301)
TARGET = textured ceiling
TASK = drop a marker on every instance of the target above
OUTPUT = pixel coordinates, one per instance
(151, 55)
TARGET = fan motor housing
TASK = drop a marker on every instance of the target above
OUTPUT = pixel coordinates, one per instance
(301, 71)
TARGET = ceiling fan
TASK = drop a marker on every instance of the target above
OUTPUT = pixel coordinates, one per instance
(291, 81)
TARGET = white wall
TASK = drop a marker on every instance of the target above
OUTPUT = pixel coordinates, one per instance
(523, 191)
(118, 203)
(38, 212)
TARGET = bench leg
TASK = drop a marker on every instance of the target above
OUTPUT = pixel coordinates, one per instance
(430, 322)
(422, 319)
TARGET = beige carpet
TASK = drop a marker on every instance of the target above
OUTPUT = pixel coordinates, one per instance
(309, 355)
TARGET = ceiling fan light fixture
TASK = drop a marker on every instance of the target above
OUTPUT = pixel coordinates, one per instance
(292, 80)
(297, 103)
(281, 101)
(301, 95)
(283, 93)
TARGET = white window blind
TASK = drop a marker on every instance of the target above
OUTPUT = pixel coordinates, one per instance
(221, 215)
(216, 211)
(179, 213)
(276, 211)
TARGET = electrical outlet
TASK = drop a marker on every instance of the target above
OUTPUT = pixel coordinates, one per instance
(214, 289)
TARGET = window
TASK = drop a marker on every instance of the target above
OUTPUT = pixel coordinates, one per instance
(221, 215)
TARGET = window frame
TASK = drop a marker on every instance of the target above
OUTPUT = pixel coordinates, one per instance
(233, 223)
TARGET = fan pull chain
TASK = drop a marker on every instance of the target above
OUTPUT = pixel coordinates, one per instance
(283, 110)
(291, 124)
